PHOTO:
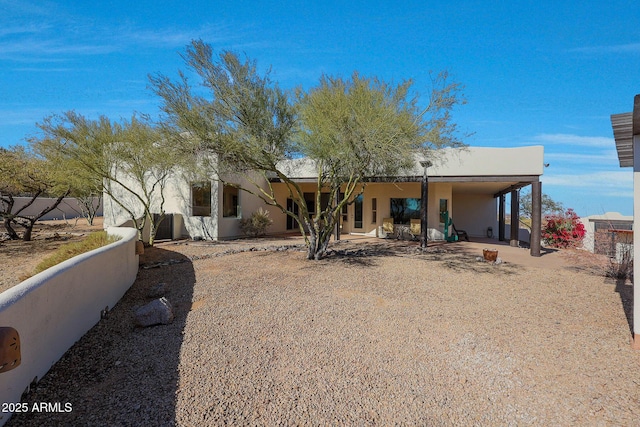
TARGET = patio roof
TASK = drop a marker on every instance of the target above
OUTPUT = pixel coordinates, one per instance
(623, 133)
(480, 170)
(625, 126)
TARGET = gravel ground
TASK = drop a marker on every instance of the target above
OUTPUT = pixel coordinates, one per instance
(376, 334)
(18, 259)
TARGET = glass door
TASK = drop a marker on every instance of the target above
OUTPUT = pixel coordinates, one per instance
(357, 212)
(292, 207)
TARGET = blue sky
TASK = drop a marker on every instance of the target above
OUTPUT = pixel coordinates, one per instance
(545, 72)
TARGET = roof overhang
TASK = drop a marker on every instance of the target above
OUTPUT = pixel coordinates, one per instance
(625, 126)
(622, 125)
(493, 185)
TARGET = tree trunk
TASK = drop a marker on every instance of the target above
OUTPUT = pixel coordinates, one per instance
(323, 244)
(28, 225)
(27, 232)
(319, 237)
(152, 230)
(311, 249)
(10, 231)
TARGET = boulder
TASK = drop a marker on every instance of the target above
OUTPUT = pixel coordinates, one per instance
(157, 312)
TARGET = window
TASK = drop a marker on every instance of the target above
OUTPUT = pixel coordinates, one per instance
(404, 210)
(374, 210)
(443, 209)
(357, 211)
(201, 199)
(310, 200)
(230, 202)
(345, 208)
(292, 223)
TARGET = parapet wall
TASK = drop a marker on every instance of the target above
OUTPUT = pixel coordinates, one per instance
(55, 308)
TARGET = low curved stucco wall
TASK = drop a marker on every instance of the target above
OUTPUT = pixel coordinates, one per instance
(54, 309)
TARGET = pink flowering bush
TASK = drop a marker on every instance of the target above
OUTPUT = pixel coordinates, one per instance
(563, 230)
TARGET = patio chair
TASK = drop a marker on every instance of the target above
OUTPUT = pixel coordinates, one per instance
(460, 233)
(414, 229)
(387, 226)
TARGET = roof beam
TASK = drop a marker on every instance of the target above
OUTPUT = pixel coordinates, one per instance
(512, 187)
(525, 179)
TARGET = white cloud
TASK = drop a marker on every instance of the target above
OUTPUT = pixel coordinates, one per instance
(619, 48)
(601, 183)
(601, 157)
(30, 34)
(18, 116)
(577, 140)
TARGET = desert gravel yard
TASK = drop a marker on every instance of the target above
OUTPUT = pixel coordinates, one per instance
(376, 334)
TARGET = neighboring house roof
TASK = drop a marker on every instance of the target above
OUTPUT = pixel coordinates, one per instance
(609, 216)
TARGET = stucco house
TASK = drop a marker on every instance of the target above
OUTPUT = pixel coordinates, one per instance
(607, 234)
(626, 131)
(469, 184)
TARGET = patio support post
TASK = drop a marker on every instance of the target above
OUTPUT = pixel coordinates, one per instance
(515, 219)
(536, 217)
(424, 187)
(635, 339)
(501, 219)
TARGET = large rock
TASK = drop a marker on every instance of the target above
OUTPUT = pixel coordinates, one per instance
(157, 312)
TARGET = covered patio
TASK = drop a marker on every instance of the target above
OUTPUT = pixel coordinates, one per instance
(471, 186)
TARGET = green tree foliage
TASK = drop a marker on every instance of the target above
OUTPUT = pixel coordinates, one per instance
(129, 160)
(23, 173)
(346, 129)
(548, 207)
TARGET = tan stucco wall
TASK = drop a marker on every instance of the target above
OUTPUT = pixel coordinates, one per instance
(487, 161)
(470, 161)
(589, 237)
(475, 213)
(249, 203)
(55, 308)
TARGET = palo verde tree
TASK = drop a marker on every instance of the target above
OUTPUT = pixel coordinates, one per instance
(548, 207)
(85, 186)
(131, 159)
(348, 129)
(23, 173)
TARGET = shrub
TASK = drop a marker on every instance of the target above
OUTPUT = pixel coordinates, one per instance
(620, 270)
(69, 250)
(256, 225)
(621, 265)
(563, 230)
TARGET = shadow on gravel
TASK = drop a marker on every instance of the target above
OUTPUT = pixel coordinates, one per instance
(462, 260)
(361, 255)
(455, 257)
(625, 290)
(118, 373)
